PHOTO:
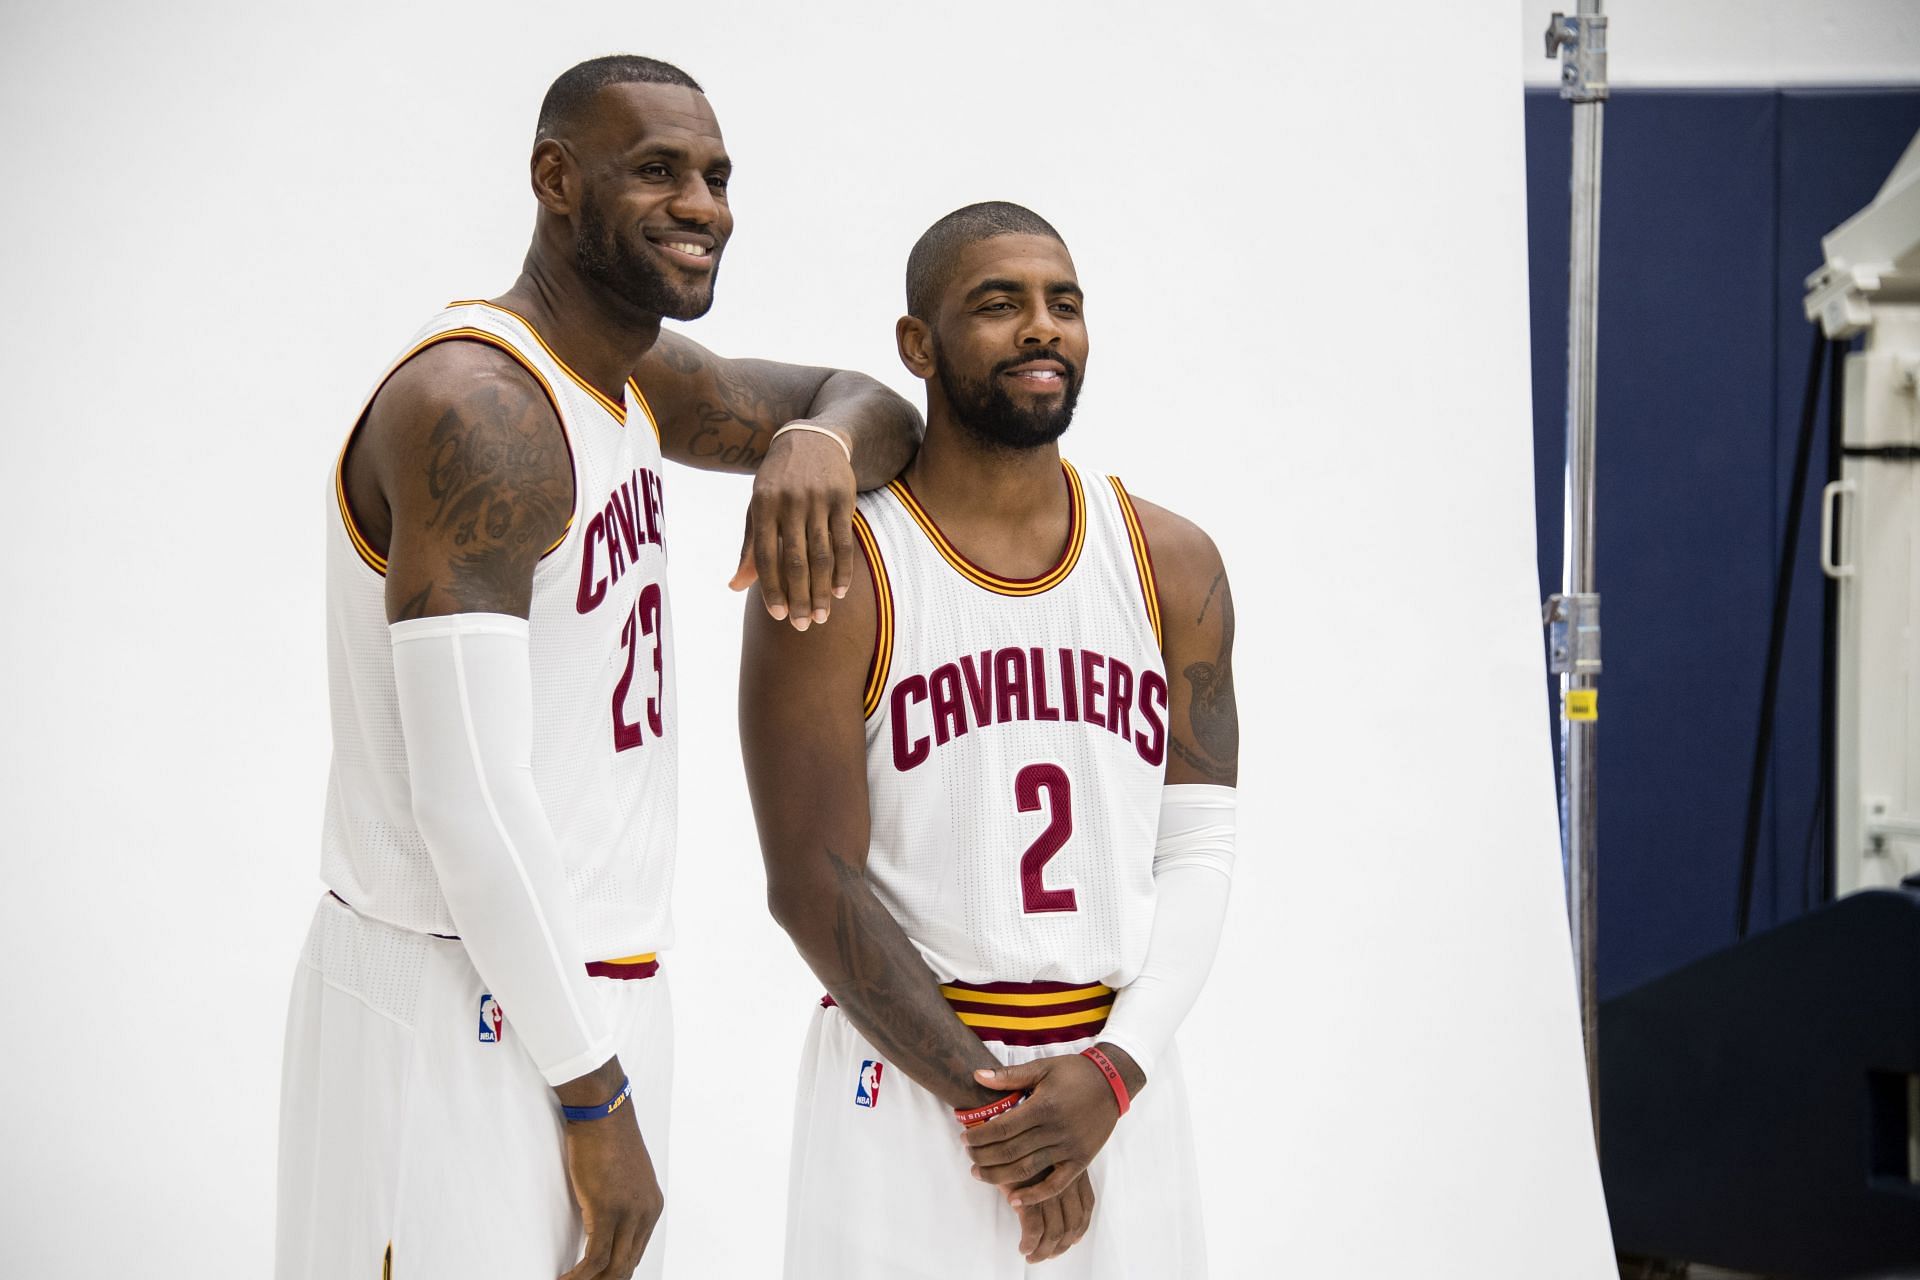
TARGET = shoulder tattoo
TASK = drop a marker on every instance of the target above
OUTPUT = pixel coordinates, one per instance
(498, 492)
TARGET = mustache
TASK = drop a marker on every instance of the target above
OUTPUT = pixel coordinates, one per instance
(1072, 369)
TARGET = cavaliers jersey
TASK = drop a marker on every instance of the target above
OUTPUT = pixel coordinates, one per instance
(604, 739)
(1016, 746)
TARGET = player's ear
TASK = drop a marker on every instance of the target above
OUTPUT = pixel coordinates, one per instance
(555, 176)
(915, 341)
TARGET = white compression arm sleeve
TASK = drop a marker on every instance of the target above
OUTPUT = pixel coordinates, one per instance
(1192, 872)
(465, 683)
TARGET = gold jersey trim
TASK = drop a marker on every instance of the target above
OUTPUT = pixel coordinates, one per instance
(374, 560)
(646, 407)
(882, 661)
(1076, 539)
(1142, 557)
(617, 411)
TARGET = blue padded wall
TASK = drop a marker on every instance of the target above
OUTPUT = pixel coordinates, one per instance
(1712, 208)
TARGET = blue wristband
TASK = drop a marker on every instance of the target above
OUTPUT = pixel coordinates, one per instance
(577, 1115)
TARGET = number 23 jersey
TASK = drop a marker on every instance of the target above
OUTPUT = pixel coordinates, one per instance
(1017, 735)
(604, 715)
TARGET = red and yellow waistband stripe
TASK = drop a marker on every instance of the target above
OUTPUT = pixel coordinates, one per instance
(1029, 1013)
(1142, 556)
(376, 561)
(1076, 539)
(618, 411)
(641, 966)
(882, 660)
(640, 398)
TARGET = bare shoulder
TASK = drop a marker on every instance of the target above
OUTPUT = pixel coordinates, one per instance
(1196, 619)
(449, 390)
(819, 665)
(1187, 567)
(476, 477)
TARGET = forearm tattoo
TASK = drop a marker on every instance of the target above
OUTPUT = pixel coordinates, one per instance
(885, 988)
(744, 403)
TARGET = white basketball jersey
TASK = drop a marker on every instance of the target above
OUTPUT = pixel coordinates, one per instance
(604, 714)
(1016, 745)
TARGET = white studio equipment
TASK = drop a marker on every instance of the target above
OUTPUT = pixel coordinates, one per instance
(1869, 288)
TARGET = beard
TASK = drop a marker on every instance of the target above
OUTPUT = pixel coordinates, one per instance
(988, 412)
(601, 258)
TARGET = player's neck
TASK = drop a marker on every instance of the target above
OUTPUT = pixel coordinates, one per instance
(601, 338)
(962, 480)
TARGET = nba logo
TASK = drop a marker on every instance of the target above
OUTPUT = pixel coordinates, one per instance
(866, 1091)
(491, 1020)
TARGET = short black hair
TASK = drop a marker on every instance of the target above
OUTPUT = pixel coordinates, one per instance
(577, 85)
(931, 263)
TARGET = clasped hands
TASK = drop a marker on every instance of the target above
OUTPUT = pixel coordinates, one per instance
(1039, 1152)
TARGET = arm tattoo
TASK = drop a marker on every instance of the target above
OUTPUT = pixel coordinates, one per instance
(742, 404)
(416, 605)
(499, 496)
(1213, 717)
(679, 357)
(1206, 604)
(885, 988)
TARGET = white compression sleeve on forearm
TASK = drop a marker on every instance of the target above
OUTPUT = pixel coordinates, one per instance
(465, 684)
(1192, 873)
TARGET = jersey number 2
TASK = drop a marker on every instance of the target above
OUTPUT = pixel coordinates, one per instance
(1027, 786)
(643, 621)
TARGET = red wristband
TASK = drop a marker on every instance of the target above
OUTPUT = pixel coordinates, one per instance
(973, 1117)
(1112, 1073)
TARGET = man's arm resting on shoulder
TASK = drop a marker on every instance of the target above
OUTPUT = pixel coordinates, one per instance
(477, 484)
(1073, 1109)
(804, 741)
(722, 414)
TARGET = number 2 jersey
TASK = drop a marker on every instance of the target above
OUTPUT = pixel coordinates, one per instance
(1016, 747)
(604, 737)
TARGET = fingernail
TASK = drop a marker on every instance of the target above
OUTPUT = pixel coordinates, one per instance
(839, 593)
(1015, 1202)
(819, 615)
(779, 612)
(801, 622)
(985, 1073)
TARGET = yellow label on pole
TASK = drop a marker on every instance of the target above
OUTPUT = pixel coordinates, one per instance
(1582, 704)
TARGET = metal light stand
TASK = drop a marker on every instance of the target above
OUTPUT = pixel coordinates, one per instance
(1573, 614)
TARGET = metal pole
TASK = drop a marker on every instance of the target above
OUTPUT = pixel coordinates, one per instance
(1581, 44)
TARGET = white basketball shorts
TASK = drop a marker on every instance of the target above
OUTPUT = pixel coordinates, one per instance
(417, 1138)
(880, 1187)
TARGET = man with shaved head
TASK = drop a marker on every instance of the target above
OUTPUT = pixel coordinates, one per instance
(996, 804)
(479, 1048)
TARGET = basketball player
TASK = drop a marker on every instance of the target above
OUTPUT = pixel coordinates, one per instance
(996, 804)
(478, 1040)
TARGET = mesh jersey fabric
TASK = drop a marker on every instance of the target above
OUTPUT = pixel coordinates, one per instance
(605, 748)
(1016, 748)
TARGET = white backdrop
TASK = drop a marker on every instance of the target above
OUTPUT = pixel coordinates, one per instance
(1301, 230)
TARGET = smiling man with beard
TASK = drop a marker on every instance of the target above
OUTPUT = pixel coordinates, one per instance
(479, 1048)
(996, 804)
